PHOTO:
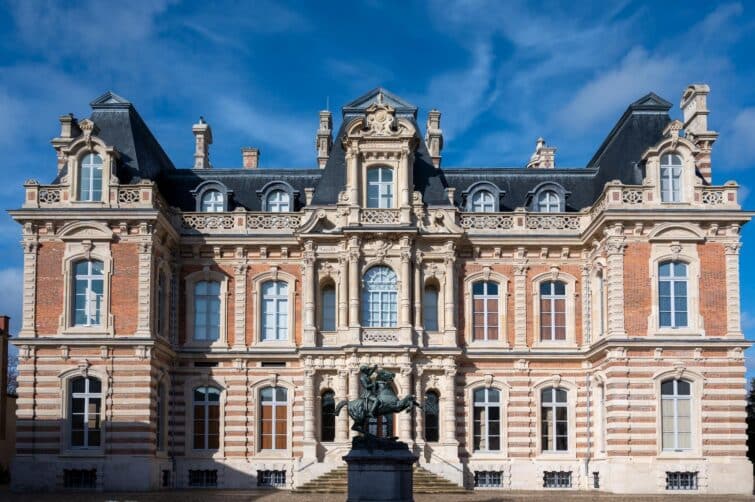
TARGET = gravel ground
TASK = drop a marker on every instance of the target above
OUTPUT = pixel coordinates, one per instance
(284, 496)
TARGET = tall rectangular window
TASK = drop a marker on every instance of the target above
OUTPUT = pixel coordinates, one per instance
(207, 311)
(672, 294)
(554, 416)
(90, 178)
(379, 300)
(328, 313)
(274, 311)
(671, 175)
(380, 187)
(274, 420)
(486, 419)
(553, 310)
(89, 283)
(485, 310)
(676, 415)
(430, 309)
(206, 418)
(86, 402)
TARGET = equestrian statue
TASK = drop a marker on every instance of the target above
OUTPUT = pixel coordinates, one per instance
(377, 399)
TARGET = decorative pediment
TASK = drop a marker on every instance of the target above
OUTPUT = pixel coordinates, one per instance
(380, 96)
(676, 232)
(90, 231)
(380, 120)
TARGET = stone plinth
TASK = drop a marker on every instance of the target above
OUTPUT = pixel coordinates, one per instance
(380, 470)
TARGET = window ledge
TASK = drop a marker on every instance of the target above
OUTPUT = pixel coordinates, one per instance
(676, 455)
(73, 453)
(677, 332)
(556, 455)
(94, 331)
(273, 455)
(554, 344)
(486, 456)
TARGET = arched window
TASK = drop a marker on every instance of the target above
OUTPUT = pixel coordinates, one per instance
(90, 178)
(430, 308)
(552, 310)
(379, 303)
(554, 413)
(676, 414)
(432, 413)
(206, 311)
(672, 294)
(548, 202)
(380, 187)
(671, 176)
(485, 310)
(328, 307)
(328, 416)
(483, 202)
(212, 202)
(278, 201)
(487, 419)
(206, 418)
(85, 412)
(274, 418)
(274, 311)
(88, 287)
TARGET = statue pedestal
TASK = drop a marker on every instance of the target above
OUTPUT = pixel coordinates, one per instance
(380, 470)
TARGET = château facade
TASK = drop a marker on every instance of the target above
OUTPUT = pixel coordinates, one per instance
(573, 328)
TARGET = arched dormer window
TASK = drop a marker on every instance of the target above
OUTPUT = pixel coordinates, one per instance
(212, 197)
(547, 197)
(671, 178)
(380, 187)
(482, 197)
(277, 197)
(90, 178)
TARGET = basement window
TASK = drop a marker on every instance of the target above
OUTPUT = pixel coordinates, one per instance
(271, 479)
(487, 479)
(206, 364)
(596, 480)
(79, 478)
(677, 480)
(557, 479)
(203, 478)
(273, 364)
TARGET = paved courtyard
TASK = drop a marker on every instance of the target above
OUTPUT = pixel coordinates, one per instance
(284, 496)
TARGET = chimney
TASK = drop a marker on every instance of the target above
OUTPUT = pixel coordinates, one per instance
(544, 156)
(434, 136)
(250, 157)
(203, 140)
(694, 107)
(324, 140)
(4, 325)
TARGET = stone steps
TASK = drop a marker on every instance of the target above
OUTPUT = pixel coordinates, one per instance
(336, 481)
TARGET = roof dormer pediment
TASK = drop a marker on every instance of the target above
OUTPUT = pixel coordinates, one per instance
(380, 96)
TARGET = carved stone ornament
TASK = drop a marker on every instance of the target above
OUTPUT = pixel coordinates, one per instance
(488, 381)
(679, 369)
(521, 365)
(676, 249)
(381, 120)
(83, 367)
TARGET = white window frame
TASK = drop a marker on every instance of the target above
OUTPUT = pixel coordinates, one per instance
(548, 201)
(487, 404)
(274, 274)
(571, 400)
(190, 280)
(672, 281)
(552, 297)
(382, 295)
(207, 300)
(275, 403)
(483, 201)
(212, 201)
(87, 168)
(279, 300)
(503, 287)
(86, 396)
(386, 192)
(695, 380)
(206, 403)
(554, 406)
(94, 314)
(64, 390)
(672, 174)
(485, 296)
(278, 201)
(571, 309)
(675, 398)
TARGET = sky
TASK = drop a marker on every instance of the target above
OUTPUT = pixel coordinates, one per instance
(501, 73)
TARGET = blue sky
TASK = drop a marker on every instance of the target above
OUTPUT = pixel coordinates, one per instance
(502, 74)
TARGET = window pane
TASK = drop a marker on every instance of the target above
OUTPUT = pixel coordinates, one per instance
(478, 288)
(560, 288)
(281, 394)
(682, 387)
(667, 388)
(266, 394)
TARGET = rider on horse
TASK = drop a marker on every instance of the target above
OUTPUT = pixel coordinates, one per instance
(369, 389)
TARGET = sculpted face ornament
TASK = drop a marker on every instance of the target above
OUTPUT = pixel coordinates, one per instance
(377, 399)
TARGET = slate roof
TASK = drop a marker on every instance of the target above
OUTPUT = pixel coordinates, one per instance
(618, 157)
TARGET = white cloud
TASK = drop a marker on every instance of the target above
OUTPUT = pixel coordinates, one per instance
(737, 141)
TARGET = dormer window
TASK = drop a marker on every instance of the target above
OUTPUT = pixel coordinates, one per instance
(671, 177)
(278, 201)
(212, 202)
(380, 187)
(482, 202)
(548, 202)
(482, 197)
(90, 178)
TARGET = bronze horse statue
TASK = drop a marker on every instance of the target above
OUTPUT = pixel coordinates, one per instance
(377, 399)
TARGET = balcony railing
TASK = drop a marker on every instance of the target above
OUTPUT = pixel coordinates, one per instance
(239, 222)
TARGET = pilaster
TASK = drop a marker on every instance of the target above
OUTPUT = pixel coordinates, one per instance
(144, 309)
(310, 443)
(405, 419)
(615, 246)
(520, 301)
(586, 305)
(29, 312)
(239, 322)
(449, 319)
(342, 420)
(308, 278)
(733, 315)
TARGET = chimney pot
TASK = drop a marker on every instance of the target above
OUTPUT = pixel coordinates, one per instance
(203, 140)
(250, 157)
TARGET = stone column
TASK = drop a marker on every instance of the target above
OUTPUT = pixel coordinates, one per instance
(309, 286)
(343, 293)
(733, 316)
(310, 443)
(354, 284)
(615, 245)
(586, 304)
(405, 419)
(353, 388)
(406, 282)
(448, 414)
(239, 308)
(419, 416)
(29, 320)
(144, 307)
(342, 420)
(520, 304)
(449, 260)
(418, 291)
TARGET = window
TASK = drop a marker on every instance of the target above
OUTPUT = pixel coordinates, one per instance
(162, 311)
(86, 404)
(681, 480)
(203, 478)
(671, 175)
(672, 294)
(206, 418)
(485, 311)
(272, 479)
(487, 420)
(552, 310)
(487, 479)
(380, 187)
(379, 303)
(90, 178)
(557, 479)
(430, 308)
(79, 478)
(676, 415)
(432, 432)
(212, 202)
(596, 480)
(162, 405)
(382, 426)
(555, 423)
(278, 201)
(483, 202)
(548, 202)
(206, 311)
(328, 416)
(89, 282)
(274, 426)
(328, 311)
(274, 311)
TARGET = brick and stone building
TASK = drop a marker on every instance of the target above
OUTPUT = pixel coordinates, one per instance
(565, 327)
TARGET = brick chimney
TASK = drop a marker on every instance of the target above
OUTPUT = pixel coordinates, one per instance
(544, 156)
(250, 157)
(434, 136)
(203, 140)
(694, 105)
(324, 139)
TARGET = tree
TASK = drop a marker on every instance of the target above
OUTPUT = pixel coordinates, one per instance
(751, 422)
(12, 375)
